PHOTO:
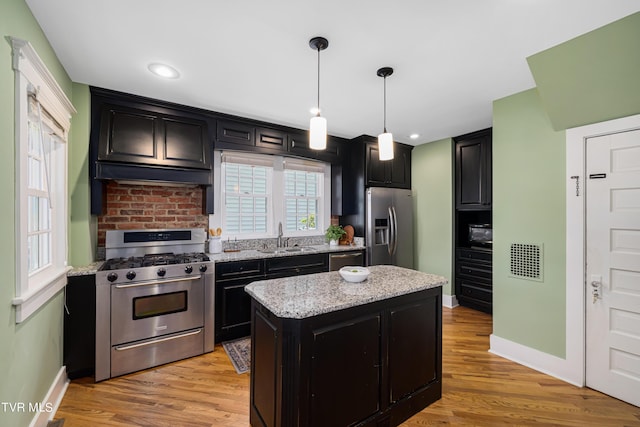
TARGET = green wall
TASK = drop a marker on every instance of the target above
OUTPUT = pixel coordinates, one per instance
(31, 352)
(82, 226)
(431, 180)
(591, 78)
(528, 207)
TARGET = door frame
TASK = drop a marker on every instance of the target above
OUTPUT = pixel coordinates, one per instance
(576, 161)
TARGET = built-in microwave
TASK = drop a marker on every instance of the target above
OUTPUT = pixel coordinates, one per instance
(480, 234)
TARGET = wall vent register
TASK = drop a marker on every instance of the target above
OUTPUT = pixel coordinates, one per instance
(526, 261)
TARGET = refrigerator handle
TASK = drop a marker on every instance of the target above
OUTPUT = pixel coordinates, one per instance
(395, 230)
(392, 235)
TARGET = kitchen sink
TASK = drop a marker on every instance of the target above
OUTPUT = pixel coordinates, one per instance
(286, 250)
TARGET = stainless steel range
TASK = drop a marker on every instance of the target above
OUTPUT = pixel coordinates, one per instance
(154, 300)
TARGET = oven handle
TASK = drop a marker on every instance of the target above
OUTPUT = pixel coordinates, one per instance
(129, 347)
(158, 282)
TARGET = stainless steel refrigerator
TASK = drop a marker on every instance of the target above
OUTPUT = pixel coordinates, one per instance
(389, 227)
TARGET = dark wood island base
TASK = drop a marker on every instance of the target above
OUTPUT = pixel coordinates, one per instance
(374, 364)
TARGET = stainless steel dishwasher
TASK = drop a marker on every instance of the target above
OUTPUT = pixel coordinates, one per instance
(339, 260)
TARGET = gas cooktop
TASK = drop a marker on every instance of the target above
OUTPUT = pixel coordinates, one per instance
(151, 260)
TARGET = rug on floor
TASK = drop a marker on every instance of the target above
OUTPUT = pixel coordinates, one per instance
(239, 352)
(56, 423)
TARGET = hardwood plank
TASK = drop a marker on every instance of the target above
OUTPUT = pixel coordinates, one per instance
(479, 389)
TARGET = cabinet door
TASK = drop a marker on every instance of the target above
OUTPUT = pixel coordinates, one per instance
(79, 351)
(231, 134)
(400, 174)
(298, 145)
(233, 310)
(128, 135)
(473, 171)
(271, 140)
(184, 143)
(345, 373)
(414, 362)
(377, 171)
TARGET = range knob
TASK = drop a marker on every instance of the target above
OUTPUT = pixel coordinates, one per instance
(112, 277)
(203, 268)
(131, 275)
(162, 272)
(188, 269)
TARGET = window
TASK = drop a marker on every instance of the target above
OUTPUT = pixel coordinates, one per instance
(43, 114)
(260, 191)
(247, 195)
(303, 182)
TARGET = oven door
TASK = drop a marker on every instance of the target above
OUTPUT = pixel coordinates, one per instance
(158, 307)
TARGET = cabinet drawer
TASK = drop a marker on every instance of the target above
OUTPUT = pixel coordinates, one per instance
(295, 265)
(474, 270)
(229, 133)
(239, 269)
(483, 256)
(468, 290)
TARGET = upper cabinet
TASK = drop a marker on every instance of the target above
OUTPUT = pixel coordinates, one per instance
(473, 171)
(394, 173)
(250, 136)
(140, 136)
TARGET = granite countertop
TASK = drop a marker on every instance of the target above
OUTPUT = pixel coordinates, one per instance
(300, 297)
(85, 270)
(290, 251)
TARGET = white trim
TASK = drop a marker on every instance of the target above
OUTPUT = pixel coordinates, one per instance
(49, 92)
(27, 304)
(575, 245)
(532, 358)
(449, 301)
(52, 399)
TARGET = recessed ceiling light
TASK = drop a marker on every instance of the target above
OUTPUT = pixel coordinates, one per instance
(164, 70)
(414, 136)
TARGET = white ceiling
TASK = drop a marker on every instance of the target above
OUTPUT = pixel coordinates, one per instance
(452, 58)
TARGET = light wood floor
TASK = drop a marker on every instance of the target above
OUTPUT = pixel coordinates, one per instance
(479, 389)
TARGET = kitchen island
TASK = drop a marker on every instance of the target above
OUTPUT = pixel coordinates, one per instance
(325, 352)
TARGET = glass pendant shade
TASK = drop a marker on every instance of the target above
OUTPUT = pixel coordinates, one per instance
(385, 146)
(318, 133)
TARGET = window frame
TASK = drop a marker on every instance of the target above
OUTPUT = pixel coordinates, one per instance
(32, 77)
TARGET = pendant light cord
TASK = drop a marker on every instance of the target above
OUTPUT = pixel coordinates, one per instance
(318, 112)
(385, 105)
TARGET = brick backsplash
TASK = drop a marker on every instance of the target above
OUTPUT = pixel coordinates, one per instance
(133, 206)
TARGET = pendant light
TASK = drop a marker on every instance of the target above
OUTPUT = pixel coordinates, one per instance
(318, 124)
(385, 139)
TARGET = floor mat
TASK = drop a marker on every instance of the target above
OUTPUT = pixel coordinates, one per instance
(239, 352)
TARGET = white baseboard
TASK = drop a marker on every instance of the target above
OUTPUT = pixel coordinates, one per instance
(534, 359)
(449, 301)
(52, 400)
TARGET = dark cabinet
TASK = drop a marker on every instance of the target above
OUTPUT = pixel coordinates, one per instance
(234, 134)
(79, 351)
(473, 260)
(138, 136)
(474, 278)
(394, 173)
(133, 138)
(371, 365)
(473, 170)
(233, 304)
(299, 146)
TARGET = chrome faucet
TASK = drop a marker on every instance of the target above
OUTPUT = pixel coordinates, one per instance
(279, 243)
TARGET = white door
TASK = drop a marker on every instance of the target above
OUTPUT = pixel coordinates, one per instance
(613, 265)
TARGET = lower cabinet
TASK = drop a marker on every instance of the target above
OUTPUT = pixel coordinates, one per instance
(79, 351)
(371, 365)
(474, 278)
(233, 304)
